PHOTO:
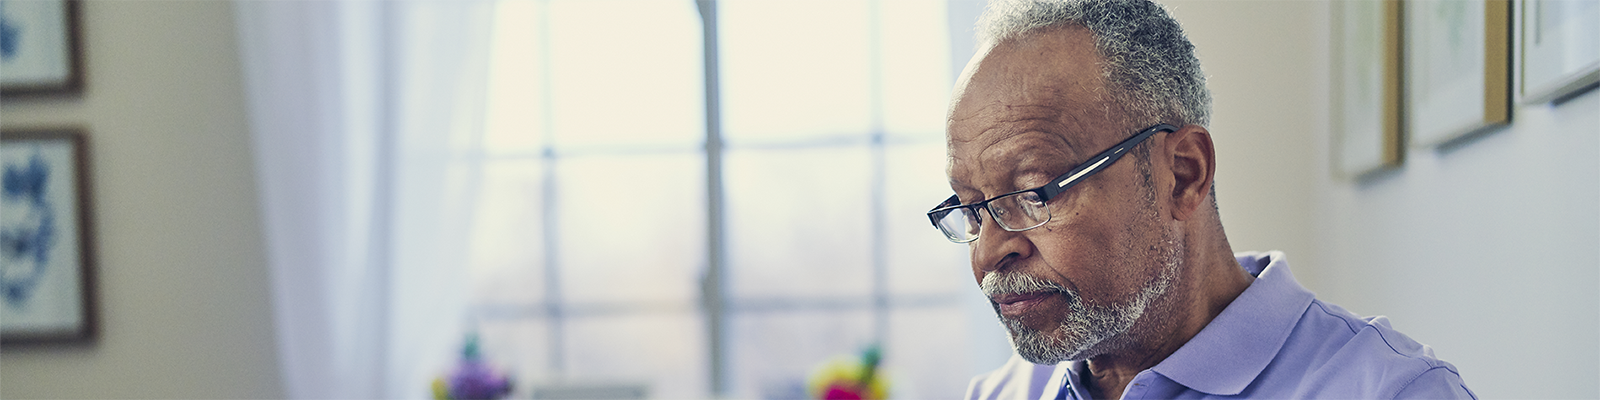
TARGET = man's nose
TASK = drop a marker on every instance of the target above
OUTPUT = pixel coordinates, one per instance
(996, 248)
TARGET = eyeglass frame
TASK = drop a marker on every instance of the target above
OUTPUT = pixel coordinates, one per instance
(1050, 190)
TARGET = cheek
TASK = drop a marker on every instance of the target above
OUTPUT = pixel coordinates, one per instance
(1075, 258)
(1090, 254)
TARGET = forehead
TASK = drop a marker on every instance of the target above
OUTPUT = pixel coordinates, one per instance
(1043, 92)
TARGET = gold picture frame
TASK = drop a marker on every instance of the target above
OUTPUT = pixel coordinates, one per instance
(1457, 69)
(1366, 87)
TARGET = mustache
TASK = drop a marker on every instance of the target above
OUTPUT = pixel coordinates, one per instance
(1013, 282)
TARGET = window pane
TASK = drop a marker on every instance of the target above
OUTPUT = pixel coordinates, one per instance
(920, 260)
(773, 353)
(795, 70)
(930, 352)
(798, 222)
(516, 116)
(665, 351)
(519, 348)
(632, 227)
(626, 72)
(916, 72)
(507, 241)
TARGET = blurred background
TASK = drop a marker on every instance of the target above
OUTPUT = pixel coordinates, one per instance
(326, 199)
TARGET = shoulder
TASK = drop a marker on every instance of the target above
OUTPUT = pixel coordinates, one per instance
(1017, 379)
(1365, 357)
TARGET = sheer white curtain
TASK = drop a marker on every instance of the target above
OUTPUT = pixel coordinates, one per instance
(366, 118)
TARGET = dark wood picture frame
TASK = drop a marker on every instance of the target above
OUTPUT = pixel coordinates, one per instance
(40, 48)
(29, 161)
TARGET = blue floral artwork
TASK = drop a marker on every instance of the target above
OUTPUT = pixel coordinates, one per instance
(27, 229)
(8, 34)
(37, 46)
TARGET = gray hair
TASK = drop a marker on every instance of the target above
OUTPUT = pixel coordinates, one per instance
(1149, 64)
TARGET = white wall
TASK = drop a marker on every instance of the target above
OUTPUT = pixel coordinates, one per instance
(185, 307)
(1488, 251)
(1263, 69)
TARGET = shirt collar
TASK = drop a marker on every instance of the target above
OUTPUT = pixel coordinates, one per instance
(1065, 384)
(1238, 344)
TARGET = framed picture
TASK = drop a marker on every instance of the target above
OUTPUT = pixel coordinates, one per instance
(47, 285)
(39, 47)
(1560, 48)
(1458, 68)
(1366, 87)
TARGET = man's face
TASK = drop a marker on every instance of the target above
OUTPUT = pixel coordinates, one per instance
(1028, 111)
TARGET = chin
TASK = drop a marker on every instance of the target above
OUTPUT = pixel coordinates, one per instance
(1054, 346)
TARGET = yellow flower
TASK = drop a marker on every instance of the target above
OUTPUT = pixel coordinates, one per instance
(842, 378)
(441, 391)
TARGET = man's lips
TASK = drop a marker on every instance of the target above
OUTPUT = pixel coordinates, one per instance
(1015, 304)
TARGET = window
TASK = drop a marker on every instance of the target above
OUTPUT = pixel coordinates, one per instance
(591, 243)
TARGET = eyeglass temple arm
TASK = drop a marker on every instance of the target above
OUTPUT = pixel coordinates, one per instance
(1101, 161)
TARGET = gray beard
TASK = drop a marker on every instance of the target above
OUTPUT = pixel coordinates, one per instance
(1086, 330)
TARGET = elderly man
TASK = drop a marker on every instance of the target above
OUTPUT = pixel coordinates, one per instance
(1115, 279)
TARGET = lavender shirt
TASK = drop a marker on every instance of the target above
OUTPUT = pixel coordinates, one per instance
(1275, 341)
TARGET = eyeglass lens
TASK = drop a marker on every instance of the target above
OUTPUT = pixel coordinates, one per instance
(1016, 212)
(1020, 211)
(960, 224)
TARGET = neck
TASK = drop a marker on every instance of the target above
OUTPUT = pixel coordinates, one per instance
(1210, 280)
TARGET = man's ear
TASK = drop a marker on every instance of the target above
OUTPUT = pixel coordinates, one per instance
(1194, 164)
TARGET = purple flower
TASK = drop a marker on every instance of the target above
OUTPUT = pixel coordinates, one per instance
(474, 380)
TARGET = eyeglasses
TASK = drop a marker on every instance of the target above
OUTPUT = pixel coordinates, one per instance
(1029, 208)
